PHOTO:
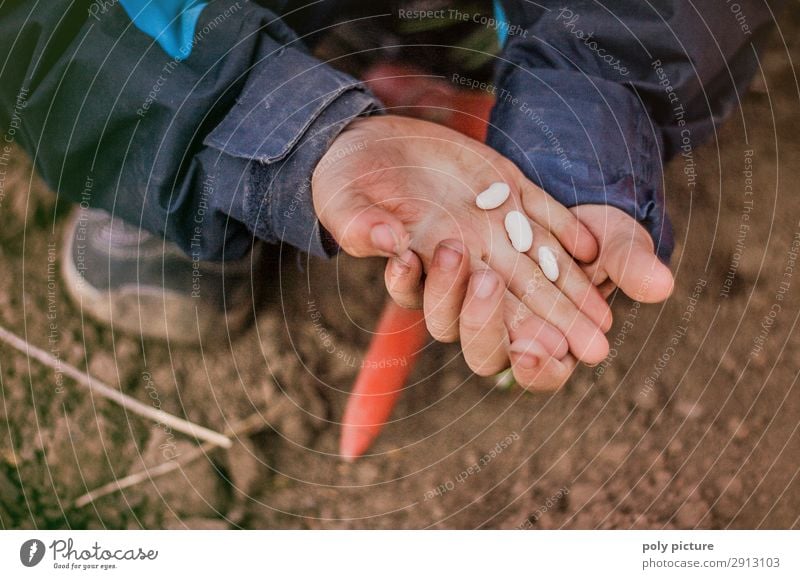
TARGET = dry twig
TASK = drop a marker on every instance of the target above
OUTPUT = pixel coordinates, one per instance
(106, 391)
(241, 428)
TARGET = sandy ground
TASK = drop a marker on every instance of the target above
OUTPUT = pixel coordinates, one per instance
(691, 422)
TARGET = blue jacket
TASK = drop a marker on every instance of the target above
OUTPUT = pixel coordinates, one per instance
(202, 120)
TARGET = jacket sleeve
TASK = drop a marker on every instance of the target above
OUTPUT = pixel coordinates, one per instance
(593, 97)
(199, 121)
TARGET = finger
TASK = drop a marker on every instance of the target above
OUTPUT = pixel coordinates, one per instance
(403, 277)
(554, 217)
(596, 274)
(445, 287)
(627, 254)
(362, 228)
(535, 370)
(525, 326)
(633, 266)
(484, 339)
(527, 282)
(572, 281)
(522, 324)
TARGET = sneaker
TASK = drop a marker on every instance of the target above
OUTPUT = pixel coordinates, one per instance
(139, 284)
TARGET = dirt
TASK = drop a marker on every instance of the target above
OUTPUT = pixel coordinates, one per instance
(692, 422)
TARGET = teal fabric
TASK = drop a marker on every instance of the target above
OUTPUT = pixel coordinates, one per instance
(500, 16)
(170, 22)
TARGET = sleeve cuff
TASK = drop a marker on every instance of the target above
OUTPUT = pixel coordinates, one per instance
(279, 204)
(278, 131)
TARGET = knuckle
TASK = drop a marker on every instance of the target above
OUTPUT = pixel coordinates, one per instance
(538, 383)
(442, 330)
(409, 301)
(471, 325)
(350, 247)
(401, 288)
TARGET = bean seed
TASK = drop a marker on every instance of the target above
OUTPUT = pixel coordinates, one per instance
(548, 263)
(494, 196)
(519, 231)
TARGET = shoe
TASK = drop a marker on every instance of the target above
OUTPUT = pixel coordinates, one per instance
(139, 284)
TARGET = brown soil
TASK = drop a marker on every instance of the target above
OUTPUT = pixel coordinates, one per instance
(688, 424)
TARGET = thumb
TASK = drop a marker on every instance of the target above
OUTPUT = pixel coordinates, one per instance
(366, 230)
(634, 267)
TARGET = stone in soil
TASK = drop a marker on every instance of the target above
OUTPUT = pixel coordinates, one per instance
(103, 367)
(690, 514)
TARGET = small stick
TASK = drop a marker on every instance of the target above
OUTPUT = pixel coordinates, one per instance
(240, 428)
(106, 391)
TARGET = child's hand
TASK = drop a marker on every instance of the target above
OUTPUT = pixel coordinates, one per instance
(536, 351)
(390, 183)
(627, 257)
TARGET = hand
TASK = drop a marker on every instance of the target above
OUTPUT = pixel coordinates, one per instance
(389, 184)
(536, 350)
(627, 259)
(627, 256)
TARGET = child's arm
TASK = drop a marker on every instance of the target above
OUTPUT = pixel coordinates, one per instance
(595, 97)
(201, 121)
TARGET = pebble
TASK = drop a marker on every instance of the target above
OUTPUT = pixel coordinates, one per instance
(662, 479)
(727, 507)
(738, 428)
(615, 453)
(688, 409)
(494, 196)
(675, 447)
(580, 494)
(519, 231)
(127, 350)
(690, 514)
(562, 467)
(103, 367)
(548, 263)
(367, 473)
(730, 485)
(730, 497)
(645, 398)
(583, 521)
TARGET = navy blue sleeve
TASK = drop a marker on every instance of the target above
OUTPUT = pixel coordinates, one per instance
(200, 121)
(593, 97)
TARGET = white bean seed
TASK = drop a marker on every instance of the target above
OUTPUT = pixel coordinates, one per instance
(519, 231)
(548, 263)
(494, 196)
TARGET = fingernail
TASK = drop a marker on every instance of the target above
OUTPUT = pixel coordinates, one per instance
(607, 322)
(447, 257)
(384, 239)
(527, 361)
(399, 267)
(523, 353)
(483, 284)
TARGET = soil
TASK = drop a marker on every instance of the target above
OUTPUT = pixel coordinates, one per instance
(692, 422)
